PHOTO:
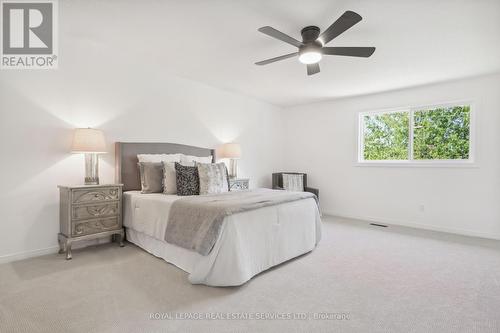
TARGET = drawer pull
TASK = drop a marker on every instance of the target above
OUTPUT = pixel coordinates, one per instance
(100, 210)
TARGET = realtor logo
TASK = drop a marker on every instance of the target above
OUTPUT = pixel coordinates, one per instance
(29, 39)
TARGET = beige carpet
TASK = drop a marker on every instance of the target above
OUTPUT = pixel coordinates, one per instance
(383, 279)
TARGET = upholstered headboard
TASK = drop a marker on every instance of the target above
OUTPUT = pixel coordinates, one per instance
(126, 170)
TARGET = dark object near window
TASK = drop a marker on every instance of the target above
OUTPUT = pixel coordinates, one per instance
(278, 182)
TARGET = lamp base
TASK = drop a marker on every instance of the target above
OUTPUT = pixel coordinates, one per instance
(91, 169)
(233, 168)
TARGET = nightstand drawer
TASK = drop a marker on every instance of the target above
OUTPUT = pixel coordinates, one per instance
(96, 194)
(95, 211)
(89, 227)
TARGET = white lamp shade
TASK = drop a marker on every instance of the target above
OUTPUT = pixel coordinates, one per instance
(88, 140)
(230, 150)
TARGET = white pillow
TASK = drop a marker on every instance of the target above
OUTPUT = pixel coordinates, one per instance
(189, 160)
(169, 178)
(156, 158)
(293, 182)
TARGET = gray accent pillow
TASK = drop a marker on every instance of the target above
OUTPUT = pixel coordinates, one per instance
(169, 178)
(151, 177)
(213, 178)
(187, 179)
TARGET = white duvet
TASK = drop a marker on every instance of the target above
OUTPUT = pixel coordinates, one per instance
(250, 242)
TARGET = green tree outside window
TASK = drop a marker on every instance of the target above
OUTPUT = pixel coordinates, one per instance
(386, 136)
(441, 133)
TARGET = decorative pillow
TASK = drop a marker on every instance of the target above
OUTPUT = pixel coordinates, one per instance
(213, 178)
(293, 182)
(158, 158)
(151, 177)
(187, 179)
(169, 178)
(191, 160)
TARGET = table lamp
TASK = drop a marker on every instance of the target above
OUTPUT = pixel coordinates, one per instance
(90, 142)
(233, 152)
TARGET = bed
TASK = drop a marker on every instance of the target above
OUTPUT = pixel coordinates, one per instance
(250, 242)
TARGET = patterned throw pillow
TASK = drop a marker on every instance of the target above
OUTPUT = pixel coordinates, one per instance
(213, 178)
(188, 182)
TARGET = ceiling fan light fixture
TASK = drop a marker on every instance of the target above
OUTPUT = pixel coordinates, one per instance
(312, 47)
(310, 57)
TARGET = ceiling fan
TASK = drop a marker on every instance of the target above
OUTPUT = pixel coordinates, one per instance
(312, 48)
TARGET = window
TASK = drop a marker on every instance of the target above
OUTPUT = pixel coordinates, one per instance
(418, 135)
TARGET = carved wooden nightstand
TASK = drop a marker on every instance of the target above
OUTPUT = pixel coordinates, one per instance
(89, 212)
(239, 184)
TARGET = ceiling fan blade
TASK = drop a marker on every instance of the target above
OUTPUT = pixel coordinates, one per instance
(349, 51)
(312, 69)
(281, 36)
(347, 20)
(283, 57)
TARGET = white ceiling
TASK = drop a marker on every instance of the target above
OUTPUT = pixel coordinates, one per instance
(216, 42)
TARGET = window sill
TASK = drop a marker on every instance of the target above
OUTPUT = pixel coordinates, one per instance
(443, 164)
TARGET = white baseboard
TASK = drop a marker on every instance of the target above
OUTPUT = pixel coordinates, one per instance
(49, 250)
(28, 254)
(54, 249)
(462, 232)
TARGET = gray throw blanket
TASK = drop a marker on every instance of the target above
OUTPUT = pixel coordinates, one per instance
(195, 222)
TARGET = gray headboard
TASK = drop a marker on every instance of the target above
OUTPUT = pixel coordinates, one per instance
(127, 172)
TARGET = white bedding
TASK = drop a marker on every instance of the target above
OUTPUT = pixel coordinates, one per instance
(250, 242)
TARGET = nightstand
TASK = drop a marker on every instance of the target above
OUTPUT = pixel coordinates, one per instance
(89, 212)
(239, 184)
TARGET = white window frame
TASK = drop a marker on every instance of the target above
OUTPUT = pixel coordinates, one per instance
(470, 162)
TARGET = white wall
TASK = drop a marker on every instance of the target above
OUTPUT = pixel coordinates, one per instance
(322, 141)
(116, 77)
(113, 76)
(39, 109)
